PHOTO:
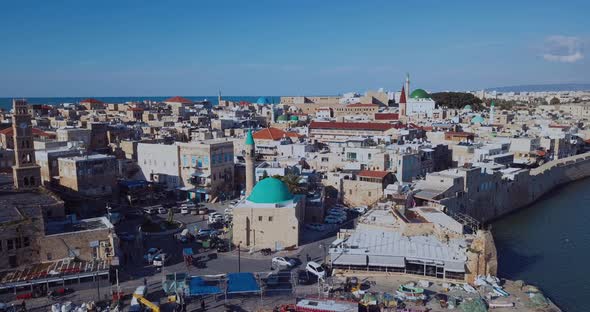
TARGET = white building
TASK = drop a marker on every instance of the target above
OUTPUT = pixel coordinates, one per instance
(159, 163)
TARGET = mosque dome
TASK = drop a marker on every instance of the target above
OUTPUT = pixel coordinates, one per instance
(262, 100)
(467, 107)
(270, 191)
(282, 118)
(294, 118)
(419, 94)
(477, 120)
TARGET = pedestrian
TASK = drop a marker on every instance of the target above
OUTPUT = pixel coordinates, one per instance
(23, 306)
(202, 305)
(308, 258)
(145, 281)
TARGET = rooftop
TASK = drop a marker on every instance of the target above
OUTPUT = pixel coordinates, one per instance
(19, 205)
(100, 223)
(350, 125)
(273, 134)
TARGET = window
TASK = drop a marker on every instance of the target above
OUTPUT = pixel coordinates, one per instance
(369, 156)
(18, 243)
(269, 219)
(349, 192)
(369, 194)
(48, 256)
(259, 218)
(26, 241)
(9, 244)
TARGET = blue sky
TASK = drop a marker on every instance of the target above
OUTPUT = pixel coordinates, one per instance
(125, 47)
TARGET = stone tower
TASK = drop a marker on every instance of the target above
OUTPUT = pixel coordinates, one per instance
(403, 103)
(250, 157)
(26, 173)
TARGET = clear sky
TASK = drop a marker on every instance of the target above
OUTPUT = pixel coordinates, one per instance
(283, 47)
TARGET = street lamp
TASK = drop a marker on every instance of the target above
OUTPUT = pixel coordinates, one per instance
(239, 257)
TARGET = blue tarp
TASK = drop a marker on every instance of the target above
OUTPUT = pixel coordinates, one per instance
(241, 283)
(133, 183)
(197, 287)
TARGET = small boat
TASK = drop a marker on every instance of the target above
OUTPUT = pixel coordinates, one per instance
(468, 288)
(500, 292)
(493, 305)
(411, 293)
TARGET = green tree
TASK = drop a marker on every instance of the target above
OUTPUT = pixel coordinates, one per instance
(457, 100)
(554, 101)
(293, 183)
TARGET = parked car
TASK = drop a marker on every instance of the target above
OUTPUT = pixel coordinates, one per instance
(316, 227)
(135, 306)
(151, 253)
(283, 262)
(272, 279)
(361, 209)
(151, 210)
(306, 278)
(223, 247)
(162, 210)
(160, 260)
(203, 210)
(228, 211)
(184, 210)
(215, 218)
(334, 220)
(207, 233)
(315, 269)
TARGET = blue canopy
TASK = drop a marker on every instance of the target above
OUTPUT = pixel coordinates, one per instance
(242, 283)
(198, 287)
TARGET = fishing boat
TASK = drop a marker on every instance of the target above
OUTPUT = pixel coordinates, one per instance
(410, 292)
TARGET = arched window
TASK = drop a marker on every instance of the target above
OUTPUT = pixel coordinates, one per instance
(26, 181)
(32, 181)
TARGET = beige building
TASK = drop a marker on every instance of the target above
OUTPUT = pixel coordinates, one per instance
(74, 134)
(269, 218)
(94, 175)
(207, 169)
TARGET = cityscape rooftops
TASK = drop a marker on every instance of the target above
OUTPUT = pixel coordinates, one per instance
(178, 99)
(350, 125)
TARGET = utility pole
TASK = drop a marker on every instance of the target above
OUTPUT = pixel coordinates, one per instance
(239, 256)
(97, 286)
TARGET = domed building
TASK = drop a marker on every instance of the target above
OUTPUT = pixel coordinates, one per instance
(477, 120)
(269, 218)
(415, 102)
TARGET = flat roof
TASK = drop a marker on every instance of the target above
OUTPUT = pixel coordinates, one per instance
(100, 223)
(17, 205)
(373, 242)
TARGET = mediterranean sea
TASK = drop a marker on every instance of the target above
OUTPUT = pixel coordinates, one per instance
(548, 245)
(6, 103)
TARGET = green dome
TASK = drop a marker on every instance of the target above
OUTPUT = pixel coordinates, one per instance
(294, 118)
(283, 118)
(419, 94)
(477, 120)
(467, 107)
(270, 191)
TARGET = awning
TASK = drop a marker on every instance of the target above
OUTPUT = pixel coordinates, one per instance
(242, 283)
(198, 287)
(344, 259)
(200, 174)
(387, 261)
(458, 267)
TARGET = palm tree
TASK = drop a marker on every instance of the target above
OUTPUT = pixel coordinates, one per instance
(292, 181)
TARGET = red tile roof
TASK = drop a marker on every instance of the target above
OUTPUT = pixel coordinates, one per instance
(350, 125)
(273, 134)
(178, 99)
(373, 174)
(36, 131)
(362, 105)
(91, 100)
(386, 116)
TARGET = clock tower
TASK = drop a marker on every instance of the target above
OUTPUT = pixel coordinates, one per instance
(26, 173)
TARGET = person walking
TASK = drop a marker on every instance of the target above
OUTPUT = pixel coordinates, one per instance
(203, 305)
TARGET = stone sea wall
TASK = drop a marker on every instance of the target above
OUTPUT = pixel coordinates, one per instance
(531, 185)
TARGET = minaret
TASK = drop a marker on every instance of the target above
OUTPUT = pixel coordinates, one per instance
(26, 173)
(219, 98)
(408, 85)
(250, 156)
(403, 105)
(492, 107)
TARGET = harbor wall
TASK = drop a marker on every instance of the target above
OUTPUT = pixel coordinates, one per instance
(490, 195)
(531, 185)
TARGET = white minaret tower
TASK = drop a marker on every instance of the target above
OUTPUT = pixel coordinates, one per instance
(408, 91)
(250, 156)
(492, 106)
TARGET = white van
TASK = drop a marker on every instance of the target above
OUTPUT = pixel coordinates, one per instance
(135, 306)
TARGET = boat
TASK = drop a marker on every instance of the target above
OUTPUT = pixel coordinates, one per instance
(411, 292)
(493, 305)
(499, 291)
(468, 288)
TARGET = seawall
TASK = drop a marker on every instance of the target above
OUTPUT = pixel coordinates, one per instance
(529, 186)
